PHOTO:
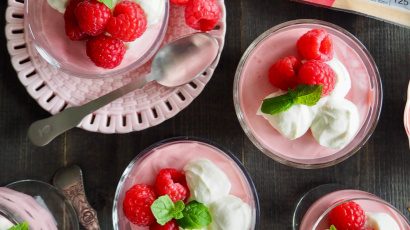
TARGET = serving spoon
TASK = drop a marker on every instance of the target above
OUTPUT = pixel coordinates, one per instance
(175, 64)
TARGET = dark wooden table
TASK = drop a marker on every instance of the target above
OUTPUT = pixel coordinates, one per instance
(381, 167)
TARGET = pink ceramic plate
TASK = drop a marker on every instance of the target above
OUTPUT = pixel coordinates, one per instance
(144, 108)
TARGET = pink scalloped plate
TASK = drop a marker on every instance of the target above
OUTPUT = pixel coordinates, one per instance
(54, 90)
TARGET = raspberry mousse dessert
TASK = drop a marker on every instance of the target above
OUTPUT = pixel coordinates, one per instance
(352, 210)
(307, 94)
(185, 184)
(94, 38)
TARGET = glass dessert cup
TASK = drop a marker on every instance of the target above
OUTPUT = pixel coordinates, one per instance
(164, 154)
(251, 86)
(314, 207)
(44, 29)
(37, 202)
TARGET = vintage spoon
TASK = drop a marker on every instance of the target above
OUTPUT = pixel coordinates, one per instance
(175, 64)
(69, 180)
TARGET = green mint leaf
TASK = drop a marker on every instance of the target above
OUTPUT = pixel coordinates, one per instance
(278, 104)
(332, 227)
(163, 209)
(21, 226)
(108, 3)
(303, 94)
(307, 94)
(177, 212)
(196, 215)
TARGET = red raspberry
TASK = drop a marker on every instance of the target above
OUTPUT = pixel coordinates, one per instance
(173, 183)
(317, 73)
(316, 44)
(106, 52)
(180, 2)
(137, 204)
(347, 216)
(171, 225)
(202, 14)
(72, 29)
(282, 74)
(129, 21)
(92, 16)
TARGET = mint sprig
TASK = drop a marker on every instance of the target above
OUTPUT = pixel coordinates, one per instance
(165, 210)
(303, 94)
(196, 215)
(332, 227)
(108, 3)
(20, 226)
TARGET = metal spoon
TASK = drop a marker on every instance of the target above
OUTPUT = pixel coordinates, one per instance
(69, 180)
(175, 64)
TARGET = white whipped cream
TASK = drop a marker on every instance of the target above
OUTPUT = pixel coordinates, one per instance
(230, 213)
(343, 82)
(336, 123)
(152, 8)
(5, 223)
(207, 183)
(381, 221)
(58, 5)
(292, 123)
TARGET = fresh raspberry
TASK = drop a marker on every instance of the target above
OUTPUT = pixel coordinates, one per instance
(104, 51)
(282, 74)
(316, 44)
(137, 204)
(173, 183)
(317, 73)
(128, 23)
(347, 216)
(92, 16)
(171, 225)
(180, 2)
(72, 29)
(202, 14)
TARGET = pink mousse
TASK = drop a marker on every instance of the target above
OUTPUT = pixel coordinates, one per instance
(254, 86)
(373, 204)
(177, 155)
(73, 53)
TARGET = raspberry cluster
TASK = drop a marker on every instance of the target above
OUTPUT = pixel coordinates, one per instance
(201, 15)
(315, 48)
(349, 216)
(104, 31)
(139, 198)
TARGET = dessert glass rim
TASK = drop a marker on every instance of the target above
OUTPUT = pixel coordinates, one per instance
(71, 211)
(371, 197)
(374, 115)
(38, 47)
(182, 139)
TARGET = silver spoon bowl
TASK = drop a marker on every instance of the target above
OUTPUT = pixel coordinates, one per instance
(175, 64)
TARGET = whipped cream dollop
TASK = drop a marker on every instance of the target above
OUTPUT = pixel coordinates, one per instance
(381, 221)
(207, 183)
(5, 223)
(230, 213)
(153, 9)
(292, 123)
(336, 123)
(343, 82)
(58, 5)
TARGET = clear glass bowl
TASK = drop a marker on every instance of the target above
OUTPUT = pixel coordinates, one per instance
(44, 27)
(136, 173)
(251, 86)
(19, 206)
(316, 216)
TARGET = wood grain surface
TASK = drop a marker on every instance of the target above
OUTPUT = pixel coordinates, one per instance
(381, 167)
